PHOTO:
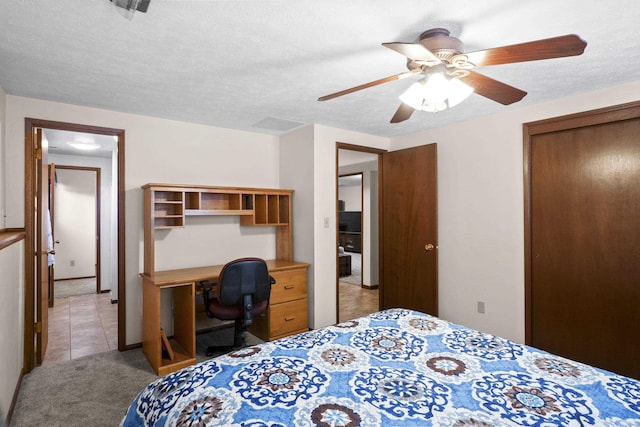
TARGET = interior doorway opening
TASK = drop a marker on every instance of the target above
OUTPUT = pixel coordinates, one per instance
(41, 137)
(357, 255)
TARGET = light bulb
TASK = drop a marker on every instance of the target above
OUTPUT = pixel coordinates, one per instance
(458, 92)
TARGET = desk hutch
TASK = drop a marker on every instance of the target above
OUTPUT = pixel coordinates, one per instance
(167, 206)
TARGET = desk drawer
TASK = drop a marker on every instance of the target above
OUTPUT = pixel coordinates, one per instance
(290, 285)
(288, 317)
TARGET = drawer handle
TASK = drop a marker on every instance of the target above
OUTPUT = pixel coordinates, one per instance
(289, 286)
(289, 318)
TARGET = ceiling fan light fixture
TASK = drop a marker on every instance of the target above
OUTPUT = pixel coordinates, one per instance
(84, 144)
(436, 92)
(458, 92)
(414, 96)
(436, 89)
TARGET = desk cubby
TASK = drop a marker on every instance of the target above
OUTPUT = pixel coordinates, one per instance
(168, 209)
(182, 341)
(268, 209)
(168, 205)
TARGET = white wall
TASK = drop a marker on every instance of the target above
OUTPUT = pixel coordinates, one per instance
(158, 150)
(11, 321)
(3, 99)
(481, 209)
(296, 173)
(352, 197)
(11, 289)
(75, 223)
(108, 215)
(325, 139)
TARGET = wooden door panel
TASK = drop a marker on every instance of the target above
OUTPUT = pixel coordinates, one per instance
(585, 244)
(42, 269)
(409, 209)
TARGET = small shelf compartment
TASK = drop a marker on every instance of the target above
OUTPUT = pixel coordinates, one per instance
(269, 209)
(168, 209)
(215, 203)
(169, 196)
(283, 212)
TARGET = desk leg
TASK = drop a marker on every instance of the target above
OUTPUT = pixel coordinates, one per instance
(184, 317)
(151, 345)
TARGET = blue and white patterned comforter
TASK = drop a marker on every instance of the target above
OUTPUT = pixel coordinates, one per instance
(392, 368)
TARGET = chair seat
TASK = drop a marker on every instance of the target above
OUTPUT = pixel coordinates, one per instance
(230, 312)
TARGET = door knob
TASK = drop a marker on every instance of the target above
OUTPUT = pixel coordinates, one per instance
(429, 247)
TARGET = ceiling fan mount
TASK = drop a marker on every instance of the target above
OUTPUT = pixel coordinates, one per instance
(437, 51)
(441, 44)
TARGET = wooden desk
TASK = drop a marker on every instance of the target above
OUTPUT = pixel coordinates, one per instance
(287, 313)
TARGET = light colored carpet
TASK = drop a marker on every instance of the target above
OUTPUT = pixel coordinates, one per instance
(94, 390)
(74, 287)
(90, 391)
(355, 278)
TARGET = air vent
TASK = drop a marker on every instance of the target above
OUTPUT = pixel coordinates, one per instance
(278, 125)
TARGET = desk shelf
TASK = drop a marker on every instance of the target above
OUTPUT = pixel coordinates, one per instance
(169, 204)
(194, 212)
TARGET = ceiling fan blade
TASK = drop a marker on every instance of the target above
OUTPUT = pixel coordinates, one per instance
(414, 51)
(493, 89)
(402, 113)
(368, 85)
(555, 47)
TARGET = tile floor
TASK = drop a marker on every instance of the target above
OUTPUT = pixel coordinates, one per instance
(356, 301)
(88, 324)
(80, 326)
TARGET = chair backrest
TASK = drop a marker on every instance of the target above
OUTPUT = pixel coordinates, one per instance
(244, 276)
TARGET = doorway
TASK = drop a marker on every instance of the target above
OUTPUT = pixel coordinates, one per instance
(357, 198)
(75, 216)
(34, 310)
(351, 233)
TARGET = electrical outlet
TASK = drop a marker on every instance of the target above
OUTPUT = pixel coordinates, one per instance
(72, 263)
(481, 307)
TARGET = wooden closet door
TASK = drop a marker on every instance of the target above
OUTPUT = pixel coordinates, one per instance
(585, 244)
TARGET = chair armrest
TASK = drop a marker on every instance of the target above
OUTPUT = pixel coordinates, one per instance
(207, 286)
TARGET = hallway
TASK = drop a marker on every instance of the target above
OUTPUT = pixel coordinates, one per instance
(81, 325)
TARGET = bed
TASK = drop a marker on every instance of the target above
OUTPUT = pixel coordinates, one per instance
(392, 368)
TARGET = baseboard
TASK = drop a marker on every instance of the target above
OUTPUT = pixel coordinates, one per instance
(14, 399)
(132, 346)
(369, 286)
(75, 278)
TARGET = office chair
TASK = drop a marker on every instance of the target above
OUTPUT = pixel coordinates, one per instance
(242, 292)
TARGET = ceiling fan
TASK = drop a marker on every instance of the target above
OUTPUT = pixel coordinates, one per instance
(448, 70)
(132, 5)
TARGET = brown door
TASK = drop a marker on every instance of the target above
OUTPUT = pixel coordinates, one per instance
(410, 229)
(584, 297)
(42, 226)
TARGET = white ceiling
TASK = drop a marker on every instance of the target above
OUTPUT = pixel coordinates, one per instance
(238, 63)
(59, 140)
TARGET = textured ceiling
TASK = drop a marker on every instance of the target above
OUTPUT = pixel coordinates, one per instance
(260, 65)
